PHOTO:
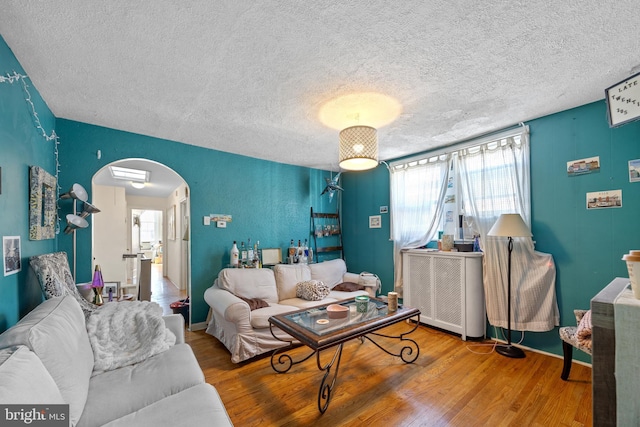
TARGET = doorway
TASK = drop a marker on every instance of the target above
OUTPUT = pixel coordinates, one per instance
(143, 220)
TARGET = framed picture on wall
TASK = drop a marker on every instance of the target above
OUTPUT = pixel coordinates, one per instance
(171, 223)
(634, 170)
(623, 101)
(11, 254)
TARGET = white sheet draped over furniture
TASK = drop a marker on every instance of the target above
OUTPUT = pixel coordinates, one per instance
(494, 179)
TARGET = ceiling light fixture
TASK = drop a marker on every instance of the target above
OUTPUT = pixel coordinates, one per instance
(358, 148)
(138, 185)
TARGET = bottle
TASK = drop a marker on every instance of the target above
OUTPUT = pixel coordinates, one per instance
(298, 252)
(310, 260)
(292, 252)
(235, 254)
(257, 263)
(243, 253)
(249, 252)
(305, 252)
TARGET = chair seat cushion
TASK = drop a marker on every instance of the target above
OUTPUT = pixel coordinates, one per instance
(569, 334)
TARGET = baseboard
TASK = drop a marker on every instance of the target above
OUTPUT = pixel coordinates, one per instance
(546, 353)
(198, 326)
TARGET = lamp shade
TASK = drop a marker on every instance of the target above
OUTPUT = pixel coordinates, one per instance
(358, 148)
(77, 191)
(510, 225)
(88, 209)
(74, 222)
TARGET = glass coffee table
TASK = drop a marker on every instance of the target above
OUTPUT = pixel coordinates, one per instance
(313, 328)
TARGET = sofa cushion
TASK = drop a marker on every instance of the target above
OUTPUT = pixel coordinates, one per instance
(341, 295)
(197, 406)
(288, 276)
(312, 290)
(348, 287)
(140, 385)
(249, 283)
(330, 272)
(260, 318)
(55, 332)
(25, 380)
(300, 303)
(54, 276)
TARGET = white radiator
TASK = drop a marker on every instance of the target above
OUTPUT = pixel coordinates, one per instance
(447, 289)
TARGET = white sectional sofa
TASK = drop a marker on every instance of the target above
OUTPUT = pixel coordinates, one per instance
(47, 359)
(246, 332)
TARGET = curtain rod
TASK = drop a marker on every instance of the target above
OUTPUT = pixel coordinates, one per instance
(466, 143)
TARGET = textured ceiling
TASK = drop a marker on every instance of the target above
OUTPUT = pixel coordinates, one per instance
(252, 78)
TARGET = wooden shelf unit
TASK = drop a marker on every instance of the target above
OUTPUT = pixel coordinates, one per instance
(326, 227)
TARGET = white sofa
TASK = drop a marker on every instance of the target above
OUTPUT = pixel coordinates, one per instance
(246, 332)
(46, 358)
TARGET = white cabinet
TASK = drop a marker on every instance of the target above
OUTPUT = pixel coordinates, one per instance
(447, 289)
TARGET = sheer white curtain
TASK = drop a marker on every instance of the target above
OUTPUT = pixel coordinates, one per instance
(417, 200)
(494, 179)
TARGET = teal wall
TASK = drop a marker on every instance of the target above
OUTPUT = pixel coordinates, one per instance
(269, 201)
(367, 249)
(587, 246)
(21, 145)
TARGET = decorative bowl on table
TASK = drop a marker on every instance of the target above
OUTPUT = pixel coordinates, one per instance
(336, 311)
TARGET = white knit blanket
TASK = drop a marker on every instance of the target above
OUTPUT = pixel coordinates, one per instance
(127, 332)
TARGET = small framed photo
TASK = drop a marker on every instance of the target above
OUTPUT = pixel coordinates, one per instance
(375, 221)
(11, 254)
(114, 287)
(604, 199)
(634, 170)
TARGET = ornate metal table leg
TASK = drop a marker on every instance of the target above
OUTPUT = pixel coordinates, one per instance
(328, 380)
(409, 353)
(284, 362)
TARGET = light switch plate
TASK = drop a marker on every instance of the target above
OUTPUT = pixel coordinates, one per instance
(207, 220)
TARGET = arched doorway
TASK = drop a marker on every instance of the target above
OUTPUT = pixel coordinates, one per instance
(151, 218)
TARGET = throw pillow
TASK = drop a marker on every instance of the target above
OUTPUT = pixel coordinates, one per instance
(255, 303)
(348, 287)
(312, 290)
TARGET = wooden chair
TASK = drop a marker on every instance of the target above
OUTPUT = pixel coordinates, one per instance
(569, 341)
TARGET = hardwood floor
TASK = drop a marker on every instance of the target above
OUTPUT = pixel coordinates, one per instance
(448, 385)
(163, 291)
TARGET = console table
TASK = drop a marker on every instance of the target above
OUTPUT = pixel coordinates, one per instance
(603, 353)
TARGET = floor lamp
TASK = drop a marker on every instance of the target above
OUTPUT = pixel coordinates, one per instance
(509, 225)
(77, 220)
